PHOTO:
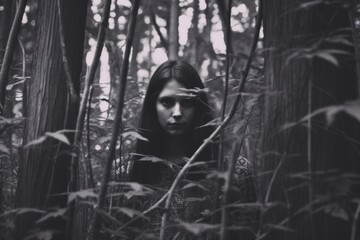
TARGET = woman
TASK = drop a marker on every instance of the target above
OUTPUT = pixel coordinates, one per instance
(175, 121)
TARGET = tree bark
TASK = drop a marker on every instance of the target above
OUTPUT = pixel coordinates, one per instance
(173, 30)
(44, 167)
(307, 163)
(6, 17)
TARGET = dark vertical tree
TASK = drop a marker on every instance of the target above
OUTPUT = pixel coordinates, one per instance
(44, 167)
(173, 30)
(6, 16)
(311, 166)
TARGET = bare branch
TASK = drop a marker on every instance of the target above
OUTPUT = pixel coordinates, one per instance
(8, 57)
(157, 28)
(117, 123)
(228, 180)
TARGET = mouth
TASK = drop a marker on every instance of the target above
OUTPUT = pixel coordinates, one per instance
(176, 126)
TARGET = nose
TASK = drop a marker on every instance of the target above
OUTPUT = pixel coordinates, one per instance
(177, 112)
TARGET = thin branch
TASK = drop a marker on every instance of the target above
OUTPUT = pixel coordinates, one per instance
(88, 143)
(225, 21)
(228, 180)
(117, 122)
(82, 110)
(221, 126)
(157, 28)
(226, 86)
(355, 225)
(220, 162)
(149, 210)
(8, 57)
(88, 82)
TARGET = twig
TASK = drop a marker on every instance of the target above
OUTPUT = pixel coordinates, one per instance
(117, 122)
(228, 180)
(88, 82)
(354, 223)
(157, 28)
(220, 162)
(8, 57)
(150, 209)
(221, 126)
(226, 86)
(88, 143)
(222, 12)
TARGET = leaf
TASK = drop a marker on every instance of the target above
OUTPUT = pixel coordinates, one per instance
(331, 112)
(337, 211)
(353, 109)
(60, 212)
(42, 235)
(328, 57)
(82, 194)
(36, 141)
(135, 135)
(59, 136)
(19, 211)
(137, 190)
(151, 159)
(193, 184)
(4, 149)
(197, 228)
(103, 140)
(10, 86)
(310, 4)
(130, 212)
(26, 210)
(281, 227)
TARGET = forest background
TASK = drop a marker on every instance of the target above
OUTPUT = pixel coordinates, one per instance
(73, 76)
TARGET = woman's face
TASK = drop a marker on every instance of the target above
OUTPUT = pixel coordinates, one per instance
(175, 110)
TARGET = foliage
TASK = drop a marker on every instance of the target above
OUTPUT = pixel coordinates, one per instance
(202, 42)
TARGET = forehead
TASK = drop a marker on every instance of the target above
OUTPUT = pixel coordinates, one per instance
(172, 88)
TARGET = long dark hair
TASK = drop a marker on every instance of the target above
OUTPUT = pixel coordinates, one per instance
(148, 172)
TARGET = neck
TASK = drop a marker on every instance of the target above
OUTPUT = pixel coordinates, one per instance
(175, 148)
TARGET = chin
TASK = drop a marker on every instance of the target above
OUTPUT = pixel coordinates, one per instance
(175, 133)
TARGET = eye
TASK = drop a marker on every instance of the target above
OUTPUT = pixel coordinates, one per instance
(167, 102)
(187, 102)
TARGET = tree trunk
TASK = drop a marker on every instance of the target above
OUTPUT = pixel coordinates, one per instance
(307, 163)
(6, 17)
(44, 167)
(173, 30)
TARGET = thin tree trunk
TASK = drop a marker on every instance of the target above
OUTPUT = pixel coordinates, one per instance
(8, 56)
(96, 221)
(173, 30)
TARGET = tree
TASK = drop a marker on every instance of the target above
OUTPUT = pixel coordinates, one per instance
(44, 167)
(173, 30)
(311, 158)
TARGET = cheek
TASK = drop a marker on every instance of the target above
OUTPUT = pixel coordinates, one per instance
(162, 114)
(189, 114)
